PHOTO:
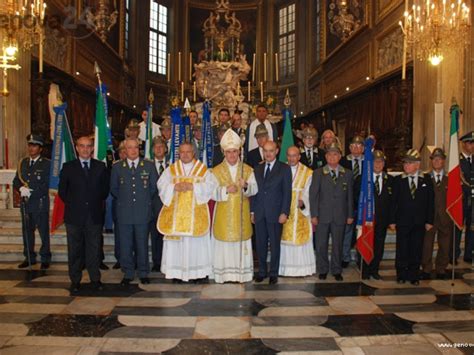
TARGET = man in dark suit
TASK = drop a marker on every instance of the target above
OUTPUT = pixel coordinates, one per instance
(443, 225)
(383, 192)
(255, 156)
(269, 209)
(160, 151)
(250, 141)
(412, 215)
(84, 187)
(133, 184)
(311, 155)
(331, 205)
(32, 181)
(237, 122)
(217, 154)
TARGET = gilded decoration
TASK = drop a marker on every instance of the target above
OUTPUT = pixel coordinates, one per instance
(389, 51)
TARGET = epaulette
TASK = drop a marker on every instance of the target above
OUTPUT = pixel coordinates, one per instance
(117, 161)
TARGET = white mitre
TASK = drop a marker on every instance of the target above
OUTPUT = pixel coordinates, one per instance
(230, 140)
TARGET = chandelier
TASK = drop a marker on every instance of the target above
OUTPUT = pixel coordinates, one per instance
(103, 20)
(434, 27)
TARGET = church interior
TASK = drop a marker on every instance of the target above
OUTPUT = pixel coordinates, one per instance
(394, 70)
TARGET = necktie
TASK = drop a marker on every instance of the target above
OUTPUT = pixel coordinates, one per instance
(32, 162)
(412, 187)
(267, 171)
(377, 184)
(133, 167)
(308, 155)
(333, 176)
(438, 179)
(86, 168)
(160, 169)
(356, 170)
(469, 159)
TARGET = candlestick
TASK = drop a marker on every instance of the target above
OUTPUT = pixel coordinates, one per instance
(179, 66)
(168, 64)
(277, 65)
(194, 91)
(190, 66)
(405, 43)
(261, 91)
(182, 91)
(265, 67)
(253, 68)
(40, 52)
(248, 91)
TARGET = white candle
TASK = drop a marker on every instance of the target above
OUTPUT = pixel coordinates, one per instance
(276, 67)
(168, 65)
(40, 51)
(182, 91)
(261, 91)
(253, 68)
(194, 91)
(265, 67)
(190, 66)
(248, 91)
(179, 66)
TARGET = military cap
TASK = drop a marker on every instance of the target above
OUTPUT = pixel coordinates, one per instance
(261, 130)
(133, 124)
(35, 139)
(333, 147)
(166, 123)
(310, 133)
(158, 140)
(438, 152)
(378, 154)
(357, 140)
(412, 156)
(468, 137)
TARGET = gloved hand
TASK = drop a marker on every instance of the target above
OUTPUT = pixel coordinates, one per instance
(25, 192)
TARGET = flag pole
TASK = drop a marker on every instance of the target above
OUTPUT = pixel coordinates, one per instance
(454, 260)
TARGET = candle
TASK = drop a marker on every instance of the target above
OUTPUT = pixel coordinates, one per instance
(190, 66)
(182, 91)
(248, 91)
(179, 66)
(40, 51)
(194, 91)
(265, 67)
(405, 44)
(253, 68)
(261, 91)
(168, 64)
(276, 67)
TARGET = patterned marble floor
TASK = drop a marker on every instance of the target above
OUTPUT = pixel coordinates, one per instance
(299, 315)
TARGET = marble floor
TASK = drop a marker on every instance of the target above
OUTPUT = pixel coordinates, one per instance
(299, 315)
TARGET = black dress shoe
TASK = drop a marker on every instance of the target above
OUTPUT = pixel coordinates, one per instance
(376, 276)
(145, 280)
(365, 277)
(155, 268)
(400, 281)
(338, 277)
(258, 279)
(125, 281)
(273, 280)
(116, 266)
(102, 266)
(415, 282)
(44, 266)
(74, 288)
(177, 281)
(202, 281)
(345, 264)
(97, 285)
(425, 276)
(25, 264)
(322, 276)
(442, 276)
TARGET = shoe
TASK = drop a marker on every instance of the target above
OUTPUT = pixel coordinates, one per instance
(177, 281)
(125, 281)
(145, 280)
(467, 260)
(116, 266)
(425, 276)
(258, 279)
(109, 231)
(415, 282)
(442, 276)
(102, 266)
(44, 266)
(322, 276)
(338, 277)
(400, 281)
(345, 264)
(156, 268)
(25, 264)
(273, 280)
(74, 288)
(365, 277)
(376, 276)
(97, 285)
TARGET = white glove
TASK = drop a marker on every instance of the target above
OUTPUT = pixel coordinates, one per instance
(25, 192)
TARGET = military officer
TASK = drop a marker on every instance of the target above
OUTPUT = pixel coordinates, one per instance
(133, 184)
(466, 162)
(412, 214)
(133, 131)
(255, 156)
(311, 155)
(32, 181)
(197, 139)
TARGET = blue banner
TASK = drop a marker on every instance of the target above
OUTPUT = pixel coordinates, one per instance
(365, 211)
(185, 130)
(175, 133)
(57, 148)
(207, 136)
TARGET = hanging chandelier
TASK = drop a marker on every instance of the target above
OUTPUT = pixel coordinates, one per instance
(103, 20)
(435, 27)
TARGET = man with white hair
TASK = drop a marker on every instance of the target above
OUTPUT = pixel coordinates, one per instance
(232, 229)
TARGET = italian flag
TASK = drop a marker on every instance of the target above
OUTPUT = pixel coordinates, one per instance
(454, 194)
(102, 134)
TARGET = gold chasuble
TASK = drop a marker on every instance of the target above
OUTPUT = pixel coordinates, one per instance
(184, 217)
(227, 213)
(297, 229)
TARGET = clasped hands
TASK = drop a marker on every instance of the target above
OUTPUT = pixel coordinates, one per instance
(233, 188)
(183, 186)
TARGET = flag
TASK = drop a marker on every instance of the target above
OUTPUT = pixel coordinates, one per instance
(62, 151)
(454, 193)
(287, 139)
(149, 133)
(207, 136)
(102, 134)
(175, 133)
(365, 211)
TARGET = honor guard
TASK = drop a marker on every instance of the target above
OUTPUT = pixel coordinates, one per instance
(311, 155)
(32, 181)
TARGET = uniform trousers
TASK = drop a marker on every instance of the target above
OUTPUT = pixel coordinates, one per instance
(37, 219)
(268, 232)
(409, 247)
(322, 244)
(134, 235)
(156, 243)
(444, 235)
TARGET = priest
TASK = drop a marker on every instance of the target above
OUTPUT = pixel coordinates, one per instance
(232, 229)
(185, 188)
(297, 255)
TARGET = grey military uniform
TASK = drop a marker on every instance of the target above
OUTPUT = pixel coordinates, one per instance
(36, 178)
(332, 203)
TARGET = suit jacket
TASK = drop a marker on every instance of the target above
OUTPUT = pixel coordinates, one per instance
(441, 217)
(346, 162)
(254, 158)
(217, 155)
(467, 171)
(274, 192)
(134, 191)
(407, 211)
(157, 204)
(331, 202)
(318, 161)
(37, 179)
(247, 134)
(383, 202)
(83, 195)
